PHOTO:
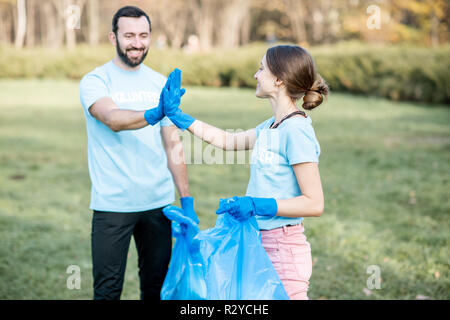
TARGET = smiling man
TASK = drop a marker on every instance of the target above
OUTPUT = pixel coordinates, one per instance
(135, 161)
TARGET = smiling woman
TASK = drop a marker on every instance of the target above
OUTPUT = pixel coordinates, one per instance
(285, 184)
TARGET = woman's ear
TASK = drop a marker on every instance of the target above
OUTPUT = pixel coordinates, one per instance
(278, 82)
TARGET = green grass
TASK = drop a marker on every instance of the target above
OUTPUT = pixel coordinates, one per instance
(384, 168)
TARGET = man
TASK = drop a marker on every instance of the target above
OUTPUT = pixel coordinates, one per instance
(132, 171)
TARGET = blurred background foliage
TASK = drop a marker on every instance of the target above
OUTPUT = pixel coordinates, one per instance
(395, 49)
(231, 23)
(397, 72)
(384, 163)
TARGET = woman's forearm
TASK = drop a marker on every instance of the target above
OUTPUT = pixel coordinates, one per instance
(218, 137)
(301, 206)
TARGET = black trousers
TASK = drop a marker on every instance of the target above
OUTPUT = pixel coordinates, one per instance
(111, 234)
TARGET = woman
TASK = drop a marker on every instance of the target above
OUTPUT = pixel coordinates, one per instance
(285, 183)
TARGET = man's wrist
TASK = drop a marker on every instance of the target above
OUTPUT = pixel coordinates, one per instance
(153, 116)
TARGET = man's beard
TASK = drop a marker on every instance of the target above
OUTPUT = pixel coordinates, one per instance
(123, 56)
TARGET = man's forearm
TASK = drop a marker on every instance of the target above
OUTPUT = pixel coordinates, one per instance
(175, 159)
(178, 169)
(119, 120)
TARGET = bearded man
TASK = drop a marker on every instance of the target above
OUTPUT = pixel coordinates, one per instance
(135, 161)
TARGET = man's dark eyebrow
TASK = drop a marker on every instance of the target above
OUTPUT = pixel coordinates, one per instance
(132, 33)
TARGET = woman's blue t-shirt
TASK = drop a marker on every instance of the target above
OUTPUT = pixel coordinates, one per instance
(274, 154)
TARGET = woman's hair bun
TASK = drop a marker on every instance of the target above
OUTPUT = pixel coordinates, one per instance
(314, 96)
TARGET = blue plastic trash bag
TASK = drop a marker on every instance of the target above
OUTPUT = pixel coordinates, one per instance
(185, 278)
(227, 262)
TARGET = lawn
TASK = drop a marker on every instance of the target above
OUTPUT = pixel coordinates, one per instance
(384, 168)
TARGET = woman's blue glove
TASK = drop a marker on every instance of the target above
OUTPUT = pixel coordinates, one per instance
(242, 208)
(172, 99)
(154, 115)
(187, 204)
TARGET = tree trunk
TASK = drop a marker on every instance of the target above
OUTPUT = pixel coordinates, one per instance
(55, 23)
(31, 23)
(295, 10)
(326, 10)
(204, 13)
(70, 25)
(5, 26)
(317, 22)
(179, 17)
(71, 21)
(94, 22)
(434, 25)
(234, 12)
(21, 23)
(245, 29)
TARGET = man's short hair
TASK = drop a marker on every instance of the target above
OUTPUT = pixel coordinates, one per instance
(128, 11)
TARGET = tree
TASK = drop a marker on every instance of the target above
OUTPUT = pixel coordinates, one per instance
(204, 13)
(296, 11)
(232, 19)
(172, 20)
(31, 23)
(6, 21)
(94, 22)
(21, 23)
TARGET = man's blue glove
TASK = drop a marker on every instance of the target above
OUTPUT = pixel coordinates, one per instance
(172, 99)
(242, 208)
(187, 227)
(154, 115)
(187, 204)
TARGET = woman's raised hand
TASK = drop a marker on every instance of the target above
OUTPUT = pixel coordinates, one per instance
(171, 96)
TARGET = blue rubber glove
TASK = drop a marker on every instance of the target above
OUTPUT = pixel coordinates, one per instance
(187, 227)
(242, 208)
(187, 204)
(172, 100)
(154, 115)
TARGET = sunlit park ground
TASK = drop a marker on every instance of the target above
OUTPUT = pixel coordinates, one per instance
(384, 168)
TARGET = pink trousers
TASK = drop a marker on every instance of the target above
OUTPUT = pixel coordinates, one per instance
(290, 254)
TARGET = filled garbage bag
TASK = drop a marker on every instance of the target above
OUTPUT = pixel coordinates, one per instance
(185, 279)
(227, 262)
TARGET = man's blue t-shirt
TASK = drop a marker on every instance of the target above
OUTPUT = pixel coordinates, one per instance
(128, 169)
(274, 153)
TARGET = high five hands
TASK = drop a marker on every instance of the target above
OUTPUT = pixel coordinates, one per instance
(171, 99)
(169, 104)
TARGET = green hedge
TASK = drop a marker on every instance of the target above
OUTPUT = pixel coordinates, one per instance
(395, 72)
(399, 73)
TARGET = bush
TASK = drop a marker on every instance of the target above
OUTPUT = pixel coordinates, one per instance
(395, 72)
(398, 73)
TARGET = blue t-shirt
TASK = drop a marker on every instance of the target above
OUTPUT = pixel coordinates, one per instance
(128, 169)
(274, 153)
